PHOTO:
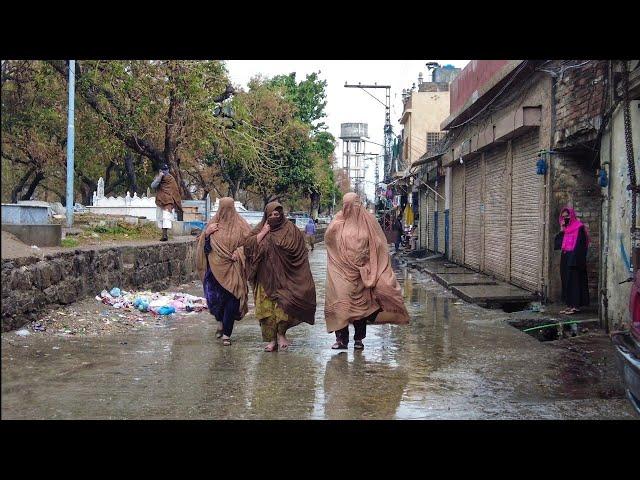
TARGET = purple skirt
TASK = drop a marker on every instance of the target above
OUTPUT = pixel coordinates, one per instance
(218, 298)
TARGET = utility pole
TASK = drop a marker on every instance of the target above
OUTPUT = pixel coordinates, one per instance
(388, 130)
(70, 141)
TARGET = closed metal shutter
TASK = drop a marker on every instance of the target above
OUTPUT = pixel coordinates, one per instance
(495, 212)
(441, 217)
(472, 214)
(423, 218)
(526, 213)
(456, 213)
(431, 226)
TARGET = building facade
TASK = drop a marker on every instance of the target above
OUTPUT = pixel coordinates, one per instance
(425, 107)
(524, 140)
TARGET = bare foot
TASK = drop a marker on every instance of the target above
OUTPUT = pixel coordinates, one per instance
(271, 347)
(283, 343)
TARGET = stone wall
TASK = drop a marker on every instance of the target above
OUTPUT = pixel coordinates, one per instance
(31, 284)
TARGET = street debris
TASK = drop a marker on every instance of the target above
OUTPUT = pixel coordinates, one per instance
(23, 333)
(158, 303)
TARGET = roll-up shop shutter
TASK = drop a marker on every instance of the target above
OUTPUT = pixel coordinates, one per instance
(441, 217)
(423, 218)
(495, 212)
(431, 227)
(456, 214)
(526, 218)
(472, 214)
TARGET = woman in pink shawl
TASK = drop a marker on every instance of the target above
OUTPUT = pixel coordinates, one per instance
(573, 240)
(361, 286)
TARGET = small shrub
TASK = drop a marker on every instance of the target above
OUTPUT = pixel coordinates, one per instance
(69, 242)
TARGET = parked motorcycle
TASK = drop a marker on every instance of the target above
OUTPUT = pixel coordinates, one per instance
(627, 345)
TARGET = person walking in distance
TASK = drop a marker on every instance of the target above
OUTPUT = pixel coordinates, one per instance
(168, 200)
(310, 232)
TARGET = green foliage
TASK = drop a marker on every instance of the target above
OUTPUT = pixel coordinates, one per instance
(308, 96)
(69, 242)
(150, 111)
(133, 115)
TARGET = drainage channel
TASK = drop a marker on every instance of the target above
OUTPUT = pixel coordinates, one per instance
(549, 329)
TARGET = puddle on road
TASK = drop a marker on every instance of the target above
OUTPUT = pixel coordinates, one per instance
(454, 360)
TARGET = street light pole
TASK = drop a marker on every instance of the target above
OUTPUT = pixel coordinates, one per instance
(70, 141)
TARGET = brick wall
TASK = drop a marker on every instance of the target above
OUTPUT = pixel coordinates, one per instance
(574, 184)
(579, 100)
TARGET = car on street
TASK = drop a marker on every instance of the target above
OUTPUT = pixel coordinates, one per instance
(627, 344)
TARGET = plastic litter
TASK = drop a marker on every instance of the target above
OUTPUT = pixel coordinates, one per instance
(152, 302)
(167, 310)
(115, 292)
(23, 333)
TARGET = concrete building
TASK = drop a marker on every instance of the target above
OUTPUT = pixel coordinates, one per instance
(523, 141)
(425, 107)
(618, 247)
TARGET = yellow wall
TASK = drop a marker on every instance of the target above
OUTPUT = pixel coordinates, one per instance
(428, 111)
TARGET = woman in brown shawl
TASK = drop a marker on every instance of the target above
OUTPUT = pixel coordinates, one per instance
(221, 265)
(361, 286)
(278, 269)
(167, 200)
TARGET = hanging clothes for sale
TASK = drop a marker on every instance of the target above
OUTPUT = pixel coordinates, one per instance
(408, 216)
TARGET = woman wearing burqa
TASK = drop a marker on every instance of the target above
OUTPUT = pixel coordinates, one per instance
(221, 265)
(278, 269)
(573, 240)
(361, 286)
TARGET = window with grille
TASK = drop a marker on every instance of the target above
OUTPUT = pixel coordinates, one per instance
(433, 138)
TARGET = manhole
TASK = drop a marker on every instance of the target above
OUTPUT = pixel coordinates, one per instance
(548, 329)
(511, 307)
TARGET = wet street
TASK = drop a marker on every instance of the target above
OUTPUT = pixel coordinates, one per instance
(454, 361)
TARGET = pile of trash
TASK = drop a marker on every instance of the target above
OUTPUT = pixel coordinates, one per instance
(157, 303)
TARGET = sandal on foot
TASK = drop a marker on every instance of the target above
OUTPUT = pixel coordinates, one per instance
(339, 346)
(358, 345)
(572, 311)
(218, 333)
(271, 348)
(226, 342)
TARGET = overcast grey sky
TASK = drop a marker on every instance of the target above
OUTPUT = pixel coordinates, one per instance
(348, 104)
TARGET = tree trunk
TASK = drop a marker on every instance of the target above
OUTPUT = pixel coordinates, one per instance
(20, 186)
(315, 205)
(131, 173)
(34, 184)
(171, 131)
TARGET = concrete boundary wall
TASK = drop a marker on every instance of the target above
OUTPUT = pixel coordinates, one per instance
(32, 284)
